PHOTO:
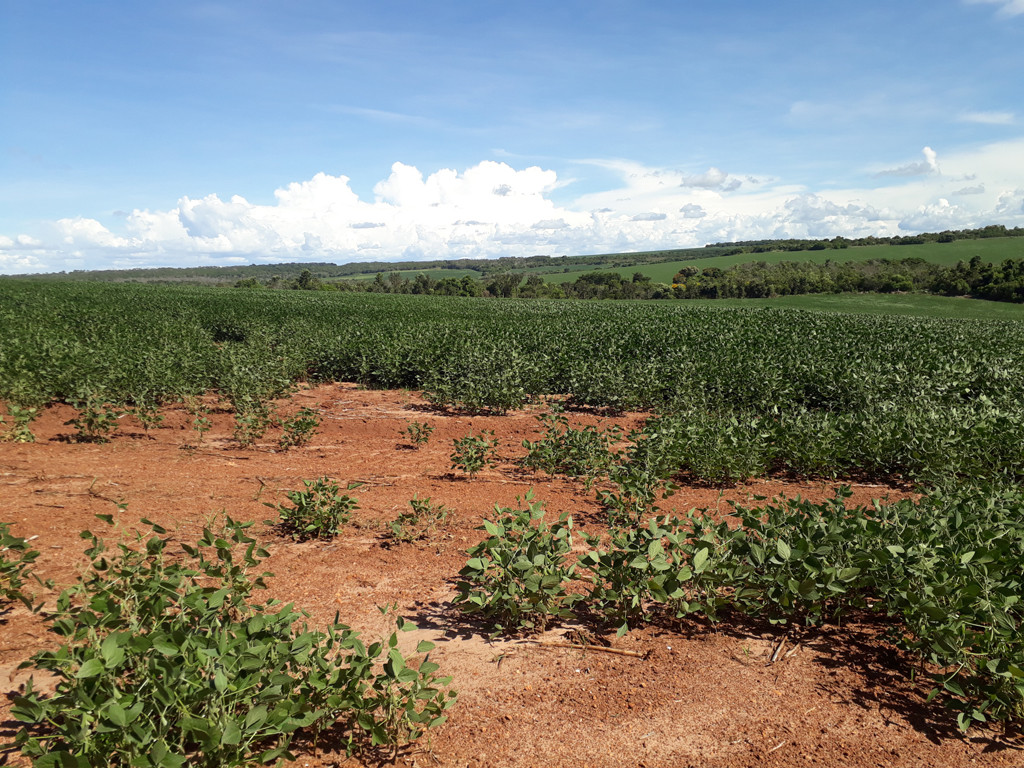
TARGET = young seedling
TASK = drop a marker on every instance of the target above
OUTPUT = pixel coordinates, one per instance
(253, 417)
(419, 433)
(19, 431)
(420, 522)
(96, 419)
(299, 429)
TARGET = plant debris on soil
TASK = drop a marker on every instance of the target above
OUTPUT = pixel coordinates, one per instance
(673, 694)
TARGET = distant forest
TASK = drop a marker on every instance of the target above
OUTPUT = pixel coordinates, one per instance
(756, 279)
(524, 277)
(329, 271)
(946, 236)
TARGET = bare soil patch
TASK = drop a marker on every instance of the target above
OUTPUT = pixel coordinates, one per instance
(692, 695)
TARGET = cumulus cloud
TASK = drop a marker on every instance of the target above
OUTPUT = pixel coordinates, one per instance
(712, 179)
(1011, 203)
(935, 217)
(19, 264)
(928, 165)
(493, 209)
(17, 255)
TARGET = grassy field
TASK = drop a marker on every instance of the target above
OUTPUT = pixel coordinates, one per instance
(992, 250)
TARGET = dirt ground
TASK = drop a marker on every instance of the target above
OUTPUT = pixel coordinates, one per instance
(695, 695)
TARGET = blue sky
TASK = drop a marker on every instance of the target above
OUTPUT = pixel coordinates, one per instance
(138, 134)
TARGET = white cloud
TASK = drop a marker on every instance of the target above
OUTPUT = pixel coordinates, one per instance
(19, 264)
(933, 218)
(549, 224)
(712, 179)
(928, 165)
(493, 209)
(1011, 203)
(13, 263)
(1006, 7)
(988, 118)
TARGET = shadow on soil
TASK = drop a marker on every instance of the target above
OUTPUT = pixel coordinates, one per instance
(859, 646)
(884, 672)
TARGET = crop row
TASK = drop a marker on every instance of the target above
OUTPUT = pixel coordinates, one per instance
(945, 570)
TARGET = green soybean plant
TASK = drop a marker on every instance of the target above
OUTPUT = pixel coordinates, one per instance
(420, 521)
(96, 419)
(299, 429)
(572, 452)
(517, 578)
(200, 413)
(20, 430)
(419, 432)
(147, 411)
(474, 452)
(253, 417)
(168, 660)
(402, 701)
(318, 512)
(635, 569)
(16, 559)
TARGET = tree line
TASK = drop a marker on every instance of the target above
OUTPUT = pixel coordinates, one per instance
(836, 243)
(975, 278)
(754, 280)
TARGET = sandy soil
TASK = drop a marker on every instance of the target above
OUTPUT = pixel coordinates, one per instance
(698, 695)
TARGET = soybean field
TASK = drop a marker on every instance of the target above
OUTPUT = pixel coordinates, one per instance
(739, 391)
(382, 428)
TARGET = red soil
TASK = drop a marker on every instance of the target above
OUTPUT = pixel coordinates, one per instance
(699, 696)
